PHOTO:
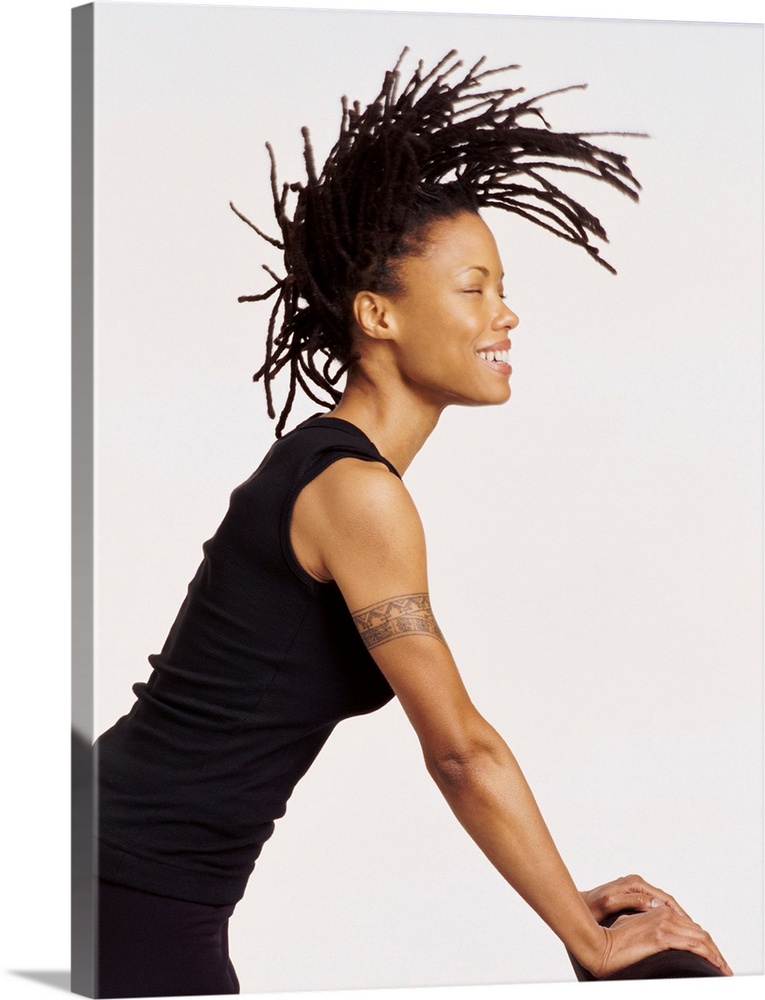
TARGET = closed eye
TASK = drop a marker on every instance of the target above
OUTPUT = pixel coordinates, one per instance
(479, 291)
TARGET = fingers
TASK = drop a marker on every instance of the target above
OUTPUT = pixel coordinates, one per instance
(630, 892)
(692, 937)
(662, 929)
(661, 925)
(652, 895)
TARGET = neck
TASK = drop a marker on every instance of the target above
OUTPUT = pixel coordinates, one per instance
(397, 422)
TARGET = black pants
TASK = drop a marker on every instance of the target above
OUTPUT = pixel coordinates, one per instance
(670, 964)
(152, 946)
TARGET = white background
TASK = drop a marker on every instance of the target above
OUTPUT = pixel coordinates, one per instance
(598, 581)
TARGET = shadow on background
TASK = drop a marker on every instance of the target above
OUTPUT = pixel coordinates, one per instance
(57, 980)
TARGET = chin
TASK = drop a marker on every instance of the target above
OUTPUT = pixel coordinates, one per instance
(499, 395)
(497, 398)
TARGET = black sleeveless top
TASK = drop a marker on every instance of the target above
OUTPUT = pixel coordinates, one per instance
(260, 665)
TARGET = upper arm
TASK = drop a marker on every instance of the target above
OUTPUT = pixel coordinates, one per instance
(365, 532)
(368, 538)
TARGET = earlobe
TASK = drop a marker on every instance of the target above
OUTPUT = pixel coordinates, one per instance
(371, 312)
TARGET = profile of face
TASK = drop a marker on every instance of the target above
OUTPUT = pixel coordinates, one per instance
(447, 330)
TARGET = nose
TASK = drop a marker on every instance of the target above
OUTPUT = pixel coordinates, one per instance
(506, 320)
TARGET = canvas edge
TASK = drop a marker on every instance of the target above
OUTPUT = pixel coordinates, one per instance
(82, 468)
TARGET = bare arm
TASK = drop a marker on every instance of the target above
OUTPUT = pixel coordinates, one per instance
(358, 526)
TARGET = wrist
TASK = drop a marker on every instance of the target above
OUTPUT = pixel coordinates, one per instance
(591, 946)
(593, 904)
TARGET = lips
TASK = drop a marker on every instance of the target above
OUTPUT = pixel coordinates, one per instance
(496, 356)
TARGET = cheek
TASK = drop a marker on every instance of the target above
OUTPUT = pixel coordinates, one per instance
(438, 335)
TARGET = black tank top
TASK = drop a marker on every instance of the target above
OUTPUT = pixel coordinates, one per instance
(260, 665)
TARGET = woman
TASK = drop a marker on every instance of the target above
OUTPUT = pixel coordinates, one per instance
(311, 603)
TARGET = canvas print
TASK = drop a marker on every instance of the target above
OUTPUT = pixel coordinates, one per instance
(420, 477)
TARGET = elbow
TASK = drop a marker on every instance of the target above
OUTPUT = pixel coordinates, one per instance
(465, 768)
(452, 768)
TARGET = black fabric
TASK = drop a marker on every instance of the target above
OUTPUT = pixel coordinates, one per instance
(671, 964)
(260, 665)
(152, 946)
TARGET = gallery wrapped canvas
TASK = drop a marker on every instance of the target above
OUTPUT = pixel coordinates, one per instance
(592, 603)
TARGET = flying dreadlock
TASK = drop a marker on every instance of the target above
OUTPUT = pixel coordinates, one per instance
(429, 151)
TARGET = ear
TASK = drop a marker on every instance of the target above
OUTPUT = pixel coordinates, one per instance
(372, 313)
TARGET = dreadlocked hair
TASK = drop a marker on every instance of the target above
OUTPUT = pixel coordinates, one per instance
(431, 150)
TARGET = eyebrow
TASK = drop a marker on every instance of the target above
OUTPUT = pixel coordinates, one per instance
(484, 270)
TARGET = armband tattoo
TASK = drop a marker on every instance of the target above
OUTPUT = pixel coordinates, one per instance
(409, 614)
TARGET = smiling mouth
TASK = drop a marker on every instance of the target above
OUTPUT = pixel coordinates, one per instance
(498, 360)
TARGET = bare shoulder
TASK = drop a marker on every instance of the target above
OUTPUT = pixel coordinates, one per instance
(353, 491)
(357, 524)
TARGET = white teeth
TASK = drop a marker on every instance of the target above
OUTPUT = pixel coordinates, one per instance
(503, 356)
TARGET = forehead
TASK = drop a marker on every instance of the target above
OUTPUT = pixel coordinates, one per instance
(456, 243)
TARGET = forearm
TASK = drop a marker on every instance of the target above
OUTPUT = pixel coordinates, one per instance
(490, 797)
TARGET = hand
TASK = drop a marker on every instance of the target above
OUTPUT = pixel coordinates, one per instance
(630, 892)
(635, 936)
(659, 925)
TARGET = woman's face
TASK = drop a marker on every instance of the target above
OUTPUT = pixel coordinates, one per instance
(450, 325)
